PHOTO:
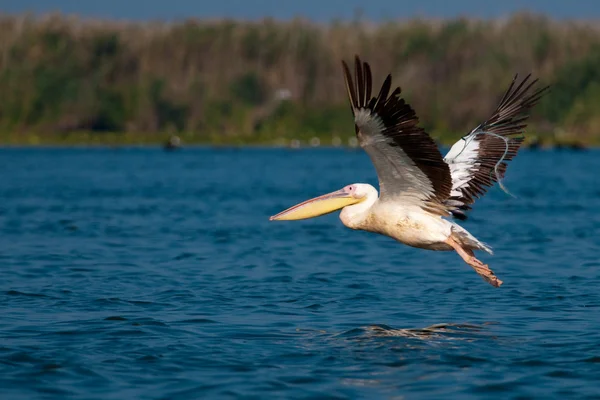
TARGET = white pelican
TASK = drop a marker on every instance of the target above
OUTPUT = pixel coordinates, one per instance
(418, 186)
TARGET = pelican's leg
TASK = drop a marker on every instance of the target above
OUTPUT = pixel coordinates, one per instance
(483, 270)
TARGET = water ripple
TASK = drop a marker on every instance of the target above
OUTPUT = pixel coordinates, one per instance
(135, 273)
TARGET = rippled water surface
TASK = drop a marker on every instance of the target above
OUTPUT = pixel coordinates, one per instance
(136, 273)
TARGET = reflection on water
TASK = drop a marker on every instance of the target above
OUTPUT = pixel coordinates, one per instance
(437, 331)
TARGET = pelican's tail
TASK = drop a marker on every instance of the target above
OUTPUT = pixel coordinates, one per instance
(469, 241)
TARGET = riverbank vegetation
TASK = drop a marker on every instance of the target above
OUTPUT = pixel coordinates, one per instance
(70, 80)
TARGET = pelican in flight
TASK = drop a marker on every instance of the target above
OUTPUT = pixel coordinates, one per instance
(419, 188)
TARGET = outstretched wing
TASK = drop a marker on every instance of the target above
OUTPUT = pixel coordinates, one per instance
(407, 160)
(478, 160)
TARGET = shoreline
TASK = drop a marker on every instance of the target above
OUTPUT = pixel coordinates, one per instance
(258, 145)
(302, 140)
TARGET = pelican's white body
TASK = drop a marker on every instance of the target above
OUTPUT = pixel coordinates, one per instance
(406, 223)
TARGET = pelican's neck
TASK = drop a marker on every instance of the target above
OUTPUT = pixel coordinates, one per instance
(353, 216)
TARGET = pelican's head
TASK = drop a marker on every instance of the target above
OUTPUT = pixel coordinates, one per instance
(327, 203)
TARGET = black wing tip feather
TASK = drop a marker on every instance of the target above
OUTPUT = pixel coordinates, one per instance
(511, 113)
(459, 215)
(359, 91)
(349, 86)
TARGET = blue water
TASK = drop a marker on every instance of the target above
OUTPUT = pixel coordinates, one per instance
(135, 273)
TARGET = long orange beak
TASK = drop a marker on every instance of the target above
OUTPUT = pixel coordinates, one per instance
(318, 206)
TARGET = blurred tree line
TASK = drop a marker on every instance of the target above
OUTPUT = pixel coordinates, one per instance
(227, 81)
